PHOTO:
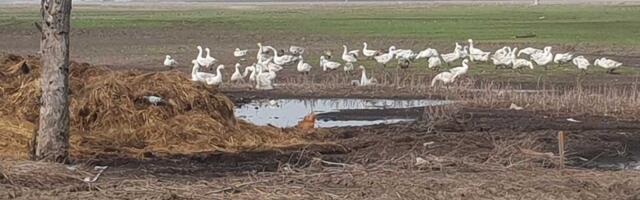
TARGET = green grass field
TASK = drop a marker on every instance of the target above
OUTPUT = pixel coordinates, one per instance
(594, 25)
(601, 26)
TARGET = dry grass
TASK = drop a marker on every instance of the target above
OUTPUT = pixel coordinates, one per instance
(506, 174)
(109, 115)
(615, 101)
(14, 137)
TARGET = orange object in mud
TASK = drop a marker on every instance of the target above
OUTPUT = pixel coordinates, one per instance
(309, 122)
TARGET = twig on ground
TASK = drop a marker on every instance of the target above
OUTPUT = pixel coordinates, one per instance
(530, 152)
(561, 148)
(236, 186)
(333, 163)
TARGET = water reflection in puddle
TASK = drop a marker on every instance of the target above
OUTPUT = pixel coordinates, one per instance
(288, 112)
(613, 163)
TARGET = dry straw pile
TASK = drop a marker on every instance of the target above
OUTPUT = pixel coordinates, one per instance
(109, 115)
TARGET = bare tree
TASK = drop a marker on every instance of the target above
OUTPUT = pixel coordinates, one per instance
(52, 142)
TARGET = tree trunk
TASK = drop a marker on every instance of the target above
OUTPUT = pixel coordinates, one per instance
(52, 142)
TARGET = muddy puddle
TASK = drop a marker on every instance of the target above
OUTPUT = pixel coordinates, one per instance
(613, 163)
(333, 112)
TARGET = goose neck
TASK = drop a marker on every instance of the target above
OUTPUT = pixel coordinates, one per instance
(195, 69)
(275, 53)
(218, 70)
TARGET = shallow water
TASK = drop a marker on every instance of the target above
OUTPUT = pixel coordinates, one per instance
(288, 112)
(614, 163)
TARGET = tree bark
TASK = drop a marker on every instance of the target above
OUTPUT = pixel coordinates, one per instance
(52, 142)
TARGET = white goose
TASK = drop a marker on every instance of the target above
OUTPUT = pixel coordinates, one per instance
(562, 58)
(452, 57)
(544, 58)
(284, 59)
(262, 65)
(217, 79)
(327, 64)
(263, 52)
(504, 51)
(444, 77)
(462, 70)
(263, 49)
(520, 63)
(348, 57)
(427, 53)
(169, 62)
(529, 51)
(200, 58)
(303, 67)
(434, 62)
(251, 68)
(237, 76)
(274, 67)
(368, 52)
(355, 52)
(208, 78)
(194, 71)
(608, 64)
(476, 54)
(254, 72)
(385, 58)
(210, 60)
(517, 63)
(240, 53)
(465, 52)
(364, 81)
(581, 63)
(503, 57)
(405, 53)
(264, 80)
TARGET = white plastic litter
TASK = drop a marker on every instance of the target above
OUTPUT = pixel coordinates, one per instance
(100, 169)
(420, 161)
(573, 120)
(515, 107)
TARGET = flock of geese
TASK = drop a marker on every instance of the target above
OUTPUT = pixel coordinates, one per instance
(270, 61)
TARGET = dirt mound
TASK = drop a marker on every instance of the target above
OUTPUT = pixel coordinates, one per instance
(110, 115)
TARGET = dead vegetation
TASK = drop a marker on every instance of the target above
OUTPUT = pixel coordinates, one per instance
(109, 115)
(455, 166)
(622, 102)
